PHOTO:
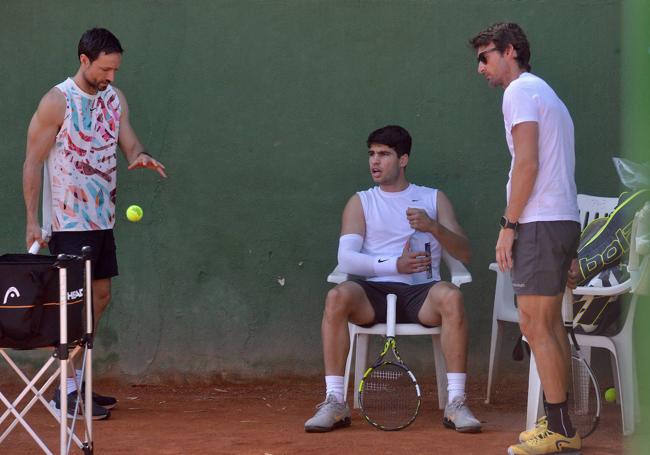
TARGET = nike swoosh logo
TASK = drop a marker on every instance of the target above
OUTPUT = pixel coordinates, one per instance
(415, 200)
(382, 260)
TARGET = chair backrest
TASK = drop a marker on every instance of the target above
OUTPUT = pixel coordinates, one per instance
(639, 262)
(592, 207)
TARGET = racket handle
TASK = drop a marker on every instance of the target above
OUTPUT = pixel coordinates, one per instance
(391, 304)
(35, 248)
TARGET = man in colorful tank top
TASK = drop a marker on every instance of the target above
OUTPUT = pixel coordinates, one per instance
(377, 233)
(73, 137)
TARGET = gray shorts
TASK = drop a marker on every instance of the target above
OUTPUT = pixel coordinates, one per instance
(542, 255)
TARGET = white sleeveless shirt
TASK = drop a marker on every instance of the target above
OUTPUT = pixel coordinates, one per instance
(388, 230)
(81, 168)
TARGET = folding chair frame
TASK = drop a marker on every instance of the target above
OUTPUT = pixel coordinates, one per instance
(62, 353)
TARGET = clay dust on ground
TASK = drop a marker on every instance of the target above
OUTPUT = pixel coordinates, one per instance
(266, 418)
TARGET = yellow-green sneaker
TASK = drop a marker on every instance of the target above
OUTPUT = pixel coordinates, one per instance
(540, 425)
(548, 442)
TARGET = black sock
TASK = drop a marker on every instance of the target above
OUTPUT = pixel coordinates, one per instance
(558, 418)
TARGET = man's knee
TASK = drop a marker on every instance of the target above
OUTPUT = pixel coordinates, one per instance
(450, 300)
(535, 325)
(337, 302)
(101, 297)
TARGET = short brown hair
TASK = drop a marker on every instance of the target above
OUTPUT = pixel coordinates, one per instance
(502, 34)
(393, 136)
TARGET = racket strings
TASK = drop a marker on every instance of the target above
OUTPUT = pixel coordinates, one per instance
(584, 398)
(390, 397)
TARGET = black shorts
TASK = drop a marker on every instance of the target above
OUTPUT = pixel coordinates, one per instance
(542, 256)
(410, 298)
(104, 257)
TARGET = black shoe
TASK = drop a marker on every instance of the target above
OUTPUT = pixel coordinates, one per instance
(105, 402)
(99, 412)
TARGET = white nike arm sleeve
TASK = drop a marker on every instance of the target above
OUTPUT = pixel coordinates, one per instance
(352, 261)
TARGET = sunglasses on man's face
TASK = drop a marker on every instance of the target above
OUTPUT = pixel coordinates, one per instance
(481, 57)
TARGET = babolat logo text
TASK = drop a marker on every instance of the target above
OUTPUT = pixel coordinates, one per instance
(76, 294)
(612, 252)
(12, 292)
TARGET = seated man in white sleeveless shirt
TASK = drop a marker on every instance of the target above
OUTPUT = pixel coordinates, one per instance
(377, 227)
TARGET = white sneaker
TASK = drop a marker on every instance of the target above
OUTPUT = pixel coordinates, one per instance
(459, 417)
(330, 414)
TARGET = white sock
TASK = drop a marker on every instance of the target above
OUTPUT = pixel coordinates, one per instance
(334, 386)
(455, 385)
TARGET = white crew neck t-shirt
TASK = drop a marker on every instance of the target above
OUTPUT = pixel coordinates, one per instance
(554, 197)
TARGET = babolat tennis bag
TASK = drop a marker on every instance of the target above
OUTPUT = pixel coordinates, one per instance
(29, 310)
(605, 240)
(595, 314)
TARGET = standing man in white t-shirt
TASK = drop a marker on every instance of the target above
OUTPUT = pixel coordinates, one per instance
(376, 230)
(540, 226)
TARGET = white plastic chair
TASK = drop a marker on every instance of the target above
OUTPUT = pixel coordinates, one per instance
(359, 336)
(504, 309)
(620, 346)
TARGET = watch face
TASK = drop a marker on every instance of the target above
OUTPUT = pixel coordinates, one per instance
(506, 224)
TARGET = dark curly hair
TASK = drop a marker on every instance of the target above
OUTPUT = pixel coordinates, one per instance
(502, 34)
(97, 40)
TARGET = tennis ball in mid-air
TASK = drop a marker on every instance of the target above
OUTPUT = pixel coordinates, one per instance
(134, 213)
(610, 395)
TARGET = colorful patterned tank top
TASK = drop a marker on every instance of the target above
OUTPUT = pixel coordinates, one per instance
(81, 171)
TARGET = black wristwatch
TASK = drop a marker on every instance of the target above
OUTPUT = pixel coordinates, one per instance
(506, 224)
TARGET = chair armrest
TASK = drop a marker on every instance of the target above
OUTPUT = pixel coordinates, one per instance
(459, 273)
(337, 277)
(622, 288)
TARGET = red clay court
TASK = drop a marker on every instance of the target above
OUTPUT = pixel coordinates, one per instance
(266, 418)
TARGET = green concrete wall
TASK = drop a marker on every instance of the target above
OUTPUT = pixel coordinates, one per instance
(260, 110)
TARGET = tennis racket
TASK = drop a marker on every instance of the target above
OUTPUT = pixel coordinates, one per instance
(584, 391)
(389, 393)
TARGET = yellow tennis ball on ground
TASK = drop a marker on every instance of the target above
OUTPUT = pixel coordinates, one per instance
(134, 213)
(610, 395)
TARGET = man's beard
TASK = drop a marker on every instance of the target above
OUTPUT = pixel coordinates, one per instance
(99, 86)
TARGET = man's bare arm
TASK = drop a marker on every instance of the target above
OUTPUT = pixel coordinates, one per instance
(133, 150)
(445, 229)
(525, 138)
(41, 134)
(353, 221)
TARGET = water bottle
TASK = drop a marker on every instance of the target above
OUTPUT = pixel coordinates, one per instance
(419, 242)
